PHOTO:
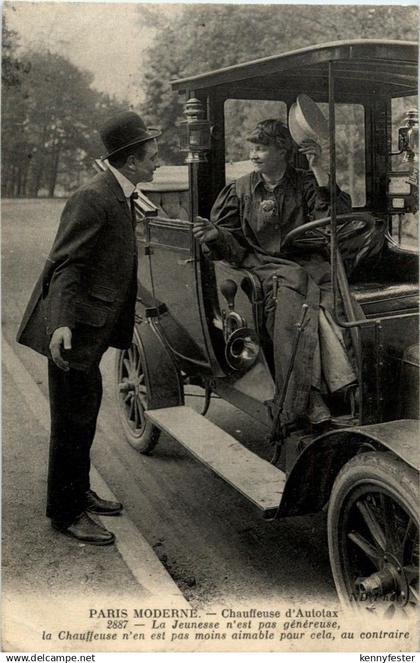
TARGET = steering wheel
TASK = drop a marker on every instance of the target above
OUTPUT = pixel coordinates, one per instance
(316, 233)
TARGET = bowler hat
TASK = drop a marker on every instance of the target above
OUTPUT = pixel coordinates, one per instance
(124, 130)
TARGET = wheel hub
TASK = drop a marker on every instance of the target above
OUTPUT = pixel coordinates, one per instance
(129, 387)
(391, 579)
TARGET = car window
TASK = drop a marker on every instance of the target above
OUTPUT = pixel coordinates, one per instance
(350, 150)
(241, 116)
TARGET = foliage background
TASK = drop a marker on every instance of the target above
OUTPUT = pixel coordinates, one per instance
(50, 110)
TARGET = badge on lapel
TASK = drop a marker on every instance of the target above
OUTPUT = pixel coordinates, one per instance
(268, 212)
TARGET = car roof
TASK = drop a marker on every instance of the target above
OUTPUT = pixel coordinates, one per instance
(360, 66)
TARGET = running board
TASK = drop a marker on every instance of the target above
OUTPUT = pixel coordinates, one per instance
(258, 480)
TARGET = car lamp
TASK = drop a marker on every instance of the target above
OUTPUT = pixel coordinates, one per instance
(408, 143)
(194, 132)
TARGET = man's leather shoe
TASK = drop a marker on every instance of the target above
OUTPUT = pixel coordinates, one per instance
(95, 504)
(84, 529)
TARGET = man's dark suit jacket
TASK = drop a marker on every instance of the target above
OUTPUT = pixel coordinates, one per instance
(89, 281)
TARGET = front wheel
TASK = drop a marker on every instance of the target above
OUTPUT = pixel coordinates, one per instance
(373, 533)
(133, 396)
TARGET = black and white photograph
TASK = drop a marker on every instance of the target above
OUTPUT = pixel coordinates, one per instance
(210, 325)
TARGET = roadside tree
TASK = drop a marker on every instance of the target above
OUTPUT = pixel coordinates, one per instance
(203, 37)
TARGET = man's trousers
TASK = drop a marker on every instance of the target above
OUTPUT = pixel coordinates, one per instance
(75, 399)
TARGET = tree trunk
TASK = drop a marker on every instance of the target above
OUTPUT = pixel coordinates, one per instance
(39, 163)
(54, 171)
(25, 180)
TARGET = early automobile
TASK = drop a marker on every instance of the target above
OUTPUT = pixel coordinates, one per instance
(199, 322)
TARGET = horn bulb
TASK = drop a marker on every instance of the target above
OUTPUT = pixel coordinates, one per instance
(229, 289)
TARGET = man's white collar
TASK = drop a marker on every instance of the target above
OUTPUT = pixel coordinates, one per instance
(125, 184)
(143, 202)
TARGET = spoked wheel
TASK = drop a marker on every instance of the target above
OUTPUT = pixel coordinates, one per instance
(373, 534)
(133, 395)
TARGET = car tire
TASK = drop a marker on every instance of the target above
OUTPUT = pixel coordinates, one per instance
(133, 395)
(373, 533)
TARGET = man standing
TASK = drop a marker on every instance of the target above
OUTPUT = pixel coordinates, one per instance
(83, 303)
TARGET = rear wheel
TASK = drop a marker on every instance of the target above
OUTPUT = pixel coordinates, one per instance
(133, 396)
(373, 533)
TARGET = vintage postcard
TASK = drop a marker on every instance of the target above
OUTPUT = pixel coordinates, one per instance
(210, 327)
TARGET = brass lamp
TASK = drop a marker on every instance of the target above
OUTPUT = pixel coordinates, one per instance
(413, 145)
(408, 143)
(194, 132)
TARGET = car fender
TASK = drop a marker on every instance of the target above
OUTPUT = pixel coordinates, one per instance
(162, 376)
(310, 481)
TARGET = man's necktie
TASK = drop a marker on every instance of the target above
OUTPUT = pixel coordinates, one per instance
(133, 197)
